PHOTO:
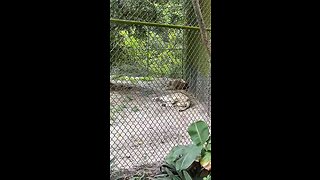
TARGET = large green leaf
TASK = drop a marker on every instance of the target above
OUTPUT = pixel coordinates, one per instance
(199, 132)
(190, 154)
(186, 175)
(180, 174)
(171, 175)
(174, 154)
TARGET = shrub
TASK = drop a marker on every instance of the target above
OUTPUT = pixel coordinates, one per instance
(190, 162)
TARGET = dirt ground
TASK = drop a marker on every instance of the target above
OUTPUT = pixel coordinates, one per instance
(143, 131)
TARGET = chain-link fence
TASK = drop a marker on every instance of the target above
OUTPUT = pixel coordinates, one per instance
(160, 78)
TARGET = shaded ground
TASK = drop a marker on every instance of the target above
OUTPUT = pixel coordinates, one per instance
(142, 131)
(143, 172)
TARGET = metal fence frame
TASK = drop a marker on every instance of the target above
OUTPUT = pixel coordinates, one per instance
(200, 89)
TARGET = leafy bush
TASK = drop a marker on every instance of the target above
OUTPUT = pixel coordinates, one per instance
(190, 162)
(137, 50)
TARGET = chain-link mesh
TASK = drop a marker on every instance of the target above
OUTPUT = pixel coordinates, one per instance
(156, 72)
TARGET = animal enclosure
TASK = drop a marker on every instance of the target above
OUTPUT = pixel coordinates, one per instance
(160, 78)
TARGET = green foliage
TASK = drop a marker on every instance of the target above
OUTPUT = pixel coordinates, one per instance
(146, 51)
(207, 178)
(192, 161)
(134, 79)
(187, 157)
(199, 133)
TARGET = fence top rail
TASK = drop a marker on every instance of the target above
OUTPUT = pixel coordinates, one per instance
(121, 21)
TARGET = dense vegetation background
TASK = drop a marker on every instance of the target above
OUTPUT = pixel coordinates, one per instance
(145, 50)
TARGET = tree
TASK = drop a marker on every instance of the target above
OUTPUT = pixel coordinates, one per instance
(197, 66)
(151, 53)
(203, 31)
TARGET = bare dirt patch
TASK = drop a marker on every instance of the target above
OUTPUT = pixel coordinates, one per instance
(143, 131)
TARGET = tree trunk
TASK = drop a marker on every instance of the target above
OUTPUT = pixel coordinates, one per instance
(196, 60)
(202, 25)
